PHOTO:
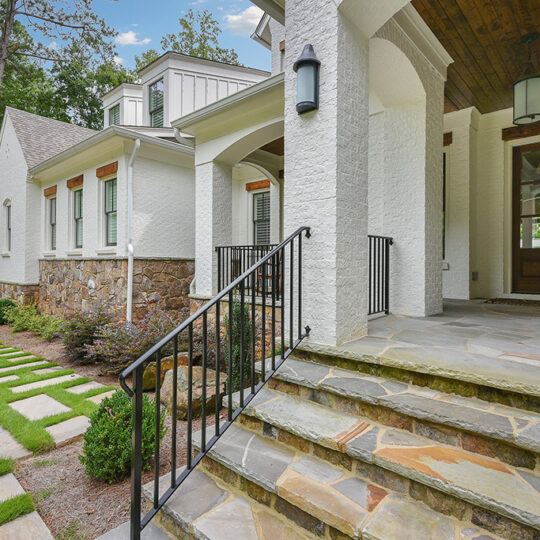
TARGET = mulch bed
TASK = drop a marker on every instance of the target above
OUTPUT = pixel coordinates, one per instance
(73, 505)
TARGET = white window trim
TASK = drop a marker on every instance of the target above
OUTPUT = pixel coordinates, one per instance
(73, 249)
(48, 251)
(103, 248)
(251, 227)
(7, 246)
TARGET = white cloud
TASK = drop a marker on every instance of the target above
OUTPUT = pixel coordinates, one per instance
(244, 23)
(118, 60)
(130, 38)
(197, 2)
(53, 46)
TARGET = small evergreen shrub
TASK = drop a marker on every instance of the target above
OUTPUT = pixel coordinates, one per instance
(27, 318)
(5, 305)
(107, 442)
(235, 337)
(81, 329)
(119, 344)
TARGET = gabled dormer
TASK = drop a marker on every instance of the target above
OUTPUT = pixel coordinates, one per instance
(123, 106)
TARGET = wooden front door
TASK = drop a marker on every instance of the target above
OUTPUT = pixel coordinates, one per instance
(526, 219)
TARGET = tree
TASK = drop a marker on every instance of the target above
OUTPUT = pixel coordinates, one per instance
(55, 21)
(199, 36)
(147, 57)
(79, 83)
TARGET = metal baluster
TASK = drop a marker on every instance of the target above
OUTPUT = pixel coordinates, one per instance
(370, 305)
(387, 293)
(282, 256)
(229, 380)
(204, 360)
(218, 363)
(300, 287)
(242, 344)
(291, 278)
(263, 323)
(253, 329)
(174, 411)
(157, 427)
(273, 312)
(190, 396)
(136, 465)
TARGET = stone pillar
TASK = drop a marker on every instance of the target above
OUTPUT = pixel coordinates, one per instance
(213, 213)
(326, 170)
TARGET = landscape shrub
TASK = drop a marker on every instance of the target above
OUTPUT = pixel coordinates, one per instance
(27, 318)
(235, 336)
(5, 305)
(81, 329)
(107, 442)
(119, 344)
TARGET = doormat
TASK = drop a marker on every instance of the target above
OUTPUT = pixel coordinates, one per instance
(513, 302)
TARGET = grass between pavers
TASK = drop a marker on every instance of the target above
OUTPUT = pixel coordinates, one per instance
(32, 434)
(16, 507)
(6, 466)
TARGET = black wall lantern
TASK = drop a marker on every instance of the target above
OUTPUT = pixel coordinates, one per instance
(527, 90)
(307, 81)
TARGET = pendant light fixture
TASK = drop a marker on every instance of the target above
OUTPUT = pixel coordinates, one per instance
(527, 89)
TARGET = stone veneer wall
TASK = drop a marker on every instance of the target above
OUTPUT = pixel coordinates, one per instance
(85, 283)
(24, 294)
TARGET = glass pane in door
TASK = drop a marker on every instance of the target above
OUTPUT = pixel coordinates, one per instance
(530, 233)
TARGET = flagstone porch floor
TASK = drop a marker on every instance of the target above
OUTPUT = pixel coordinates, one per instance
(489, 344)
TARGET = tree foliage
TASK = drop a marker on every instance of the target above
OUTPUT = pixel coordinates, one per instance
(199, 36)
(147, 57)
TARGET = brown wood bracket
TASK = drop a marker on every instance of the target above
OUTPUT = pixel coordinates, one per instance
(260, 184)
(75, 182)
(447, 139)
(282, 46)
(50, 191)
(520, 132)
(107, 170)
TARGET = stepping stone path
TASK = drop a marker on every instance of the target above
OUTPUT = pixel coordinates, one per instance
(69, 429)
(100, 397)
(38, 407)
(10, 447)
(44, 383)
(22, 366)
(85, 387)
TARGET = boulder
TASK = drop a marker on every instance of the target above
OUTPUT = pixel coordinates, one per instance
(149, 375)
(197, 390)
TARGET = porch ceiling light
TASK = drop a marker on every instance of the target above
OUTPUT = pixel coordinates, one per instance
(307, 81)
(527, 90)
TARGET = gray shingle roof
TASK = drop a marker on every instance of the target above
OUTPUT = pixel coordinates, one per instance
(42, 138)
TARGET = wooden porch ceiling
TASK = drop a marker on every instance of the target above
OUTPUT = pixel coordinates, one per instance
(484, 39)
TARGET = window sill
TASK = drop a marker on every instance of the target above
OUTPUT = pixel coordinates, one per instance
(49, 254)
(6, 254)
(74, 253)
(106, 251)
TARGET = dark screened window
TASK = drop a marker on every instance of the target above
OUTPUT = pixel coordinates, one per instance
(261, 218)
(78, 217)
(114, 115)
(110, 212)
(52, 222)
(156, 104)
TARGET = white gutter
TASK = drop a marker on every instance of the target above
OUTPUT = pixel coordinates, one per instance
(129, 304)
(183, 140)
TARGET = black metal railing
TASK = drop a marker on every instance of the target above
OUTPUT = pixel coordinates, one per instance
(379, 274)
(233, 261)
(264, 331)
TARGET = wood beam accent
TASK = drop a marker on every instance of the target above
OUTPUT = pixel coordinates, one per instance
(447, 139)
(260, 184)
(75, 182)
(107, 170)
(276, 147)
(282, 46)
(520, 132)
(50, 191)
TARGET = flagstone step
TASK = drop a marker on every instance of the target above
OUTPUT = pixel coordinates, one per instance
(483, 482)
(418, 409)
(43, 383)
(205, 506)
(337, 497)
(492, 378)
(25, 365)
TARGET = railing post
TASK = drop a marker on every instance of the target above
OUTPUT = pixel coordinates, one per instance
(136, 463)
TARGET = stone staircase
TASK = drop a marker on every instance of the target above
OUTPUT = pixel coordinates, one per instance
(337, 448)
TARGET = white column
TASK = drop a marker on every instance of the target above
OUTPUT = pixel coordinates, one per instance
(326, 170)
(213, 212)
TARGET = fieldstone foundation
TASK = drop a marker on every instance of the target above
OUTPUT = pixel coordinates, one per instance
(23, 294)
(86, 283)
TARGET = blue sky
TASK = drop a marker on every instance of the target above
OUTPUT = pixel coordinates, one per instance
(141, 23)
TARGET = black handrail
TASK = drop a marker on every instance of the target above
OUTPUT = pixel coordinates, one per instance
(244, 351)
(379, 274)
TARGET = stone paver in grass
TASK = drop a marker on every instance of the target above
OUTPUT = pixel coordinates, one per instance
(100, 397)
(27, 527)
(38, 407)
(10, 447)
(19, 358)
(9, 487)
(47, 370)
(85, 387)
(44, 383)
(22, 366)
(9, 352)
(8, 378)
(68, 430)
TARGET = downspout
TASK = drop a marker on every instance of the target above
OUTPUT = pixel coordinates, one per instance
(129, 304)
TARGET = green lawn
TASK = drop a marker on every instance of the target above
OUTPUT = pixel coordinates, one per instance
(32, 434)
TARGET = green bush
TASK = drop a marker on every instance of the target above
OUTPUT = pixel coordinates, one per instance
(235, 377)
(80, 330)
(27, 318)
(107, 442)
(5, 305)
